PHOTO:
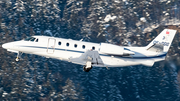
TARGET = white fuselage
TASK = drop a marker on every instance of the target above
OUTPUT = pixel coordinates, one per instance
(66, 49)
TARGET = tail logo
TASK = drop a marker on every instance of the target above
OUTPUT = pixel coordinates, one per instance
(167, 32)
(166, 36)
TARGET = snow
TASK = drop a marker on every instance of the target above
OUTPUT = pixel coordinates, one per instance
(107, 25)
(166, 14)
(163, 0)
(147, 14)
(154, 26)
(117, 1)
(108, 18)
(40, 87)
(114, 19)
(4, 94)
(143, 19)
(30, 80)
(48, 32)
(42, 94)
(168, 2)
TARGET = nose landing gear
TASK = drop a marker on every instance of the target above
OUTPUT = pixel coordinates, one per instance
(18, 56)
(17, 59)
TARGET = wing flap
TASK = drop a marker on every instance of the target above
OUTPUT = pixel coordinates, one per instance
(89, 55)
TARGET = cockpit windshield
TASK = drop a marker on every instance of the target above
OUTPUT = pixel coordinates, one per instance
(29, 39)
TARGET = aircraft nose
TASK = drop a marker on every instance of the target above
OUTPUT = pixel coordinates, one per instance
(7, 45)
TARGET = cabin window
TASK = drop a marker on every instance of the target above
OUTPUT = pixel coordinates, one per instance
(83, 46)
(67, 44)
(59, 43)
(93, 48)
(75, 45)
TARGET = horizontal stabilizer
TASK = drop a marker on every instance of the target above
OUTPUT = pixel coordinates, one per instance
(89, 55)
(148, 63)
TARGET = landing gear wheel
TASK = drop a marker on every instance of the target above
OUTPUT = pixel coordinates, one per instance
(17, 59)
(87, 69)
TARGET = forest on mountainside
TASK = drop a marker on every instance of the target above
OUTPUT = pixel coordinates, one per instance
(113, 21)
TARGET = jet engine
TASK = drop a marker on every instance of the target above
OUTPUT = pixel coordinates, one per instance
(114, 50)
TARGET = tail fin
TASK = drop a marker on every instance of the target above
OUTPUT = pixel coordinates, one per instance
(162, 42)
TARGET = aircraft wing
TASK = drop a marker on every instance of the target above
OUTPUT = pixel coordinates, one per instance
(92, 56)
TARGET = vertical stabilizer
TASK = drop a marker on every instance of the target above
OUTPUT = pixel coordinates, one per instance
(162, 41)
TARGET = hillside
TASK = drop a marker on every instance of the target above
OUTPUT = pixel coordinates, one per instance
(119, 22)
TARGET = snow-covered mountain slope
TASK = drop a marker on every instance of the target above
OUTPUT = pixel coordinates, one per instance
(119, 22)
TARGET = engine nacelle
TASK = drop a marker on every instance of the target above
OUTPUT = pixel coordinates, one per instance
(114, 49)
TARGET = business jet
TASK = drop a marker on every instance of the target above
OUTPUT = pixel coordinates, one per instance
(93, 54)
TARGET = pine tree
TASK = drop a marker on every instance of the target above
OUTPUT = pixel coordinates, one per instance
(69, 92)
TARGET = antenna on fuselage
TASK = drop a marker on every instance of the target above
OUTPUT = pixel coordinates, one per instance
(81, 39)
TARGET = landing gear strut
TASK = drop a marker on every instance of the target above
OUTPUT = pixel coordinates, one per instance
(88, 66)
(18, 56)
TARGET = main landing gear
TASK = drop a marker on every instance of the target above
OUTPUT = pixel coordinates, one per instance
(88, 66)
(87, 69)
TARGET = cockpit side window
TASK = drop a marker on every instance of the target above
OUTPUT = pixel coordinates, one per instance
(33, 39)
(37, 40)
(30, 39)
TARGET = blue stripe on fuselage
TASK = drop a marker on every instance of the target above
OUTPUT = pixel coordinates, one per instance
(54, 48)
(108, 55)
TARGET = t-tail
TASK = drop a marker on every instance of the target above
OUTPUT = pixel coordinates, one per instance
(162, 42)
(159, 47)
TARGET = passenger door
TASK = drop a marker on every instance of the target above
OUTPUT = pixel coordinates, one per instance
(51, 45)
